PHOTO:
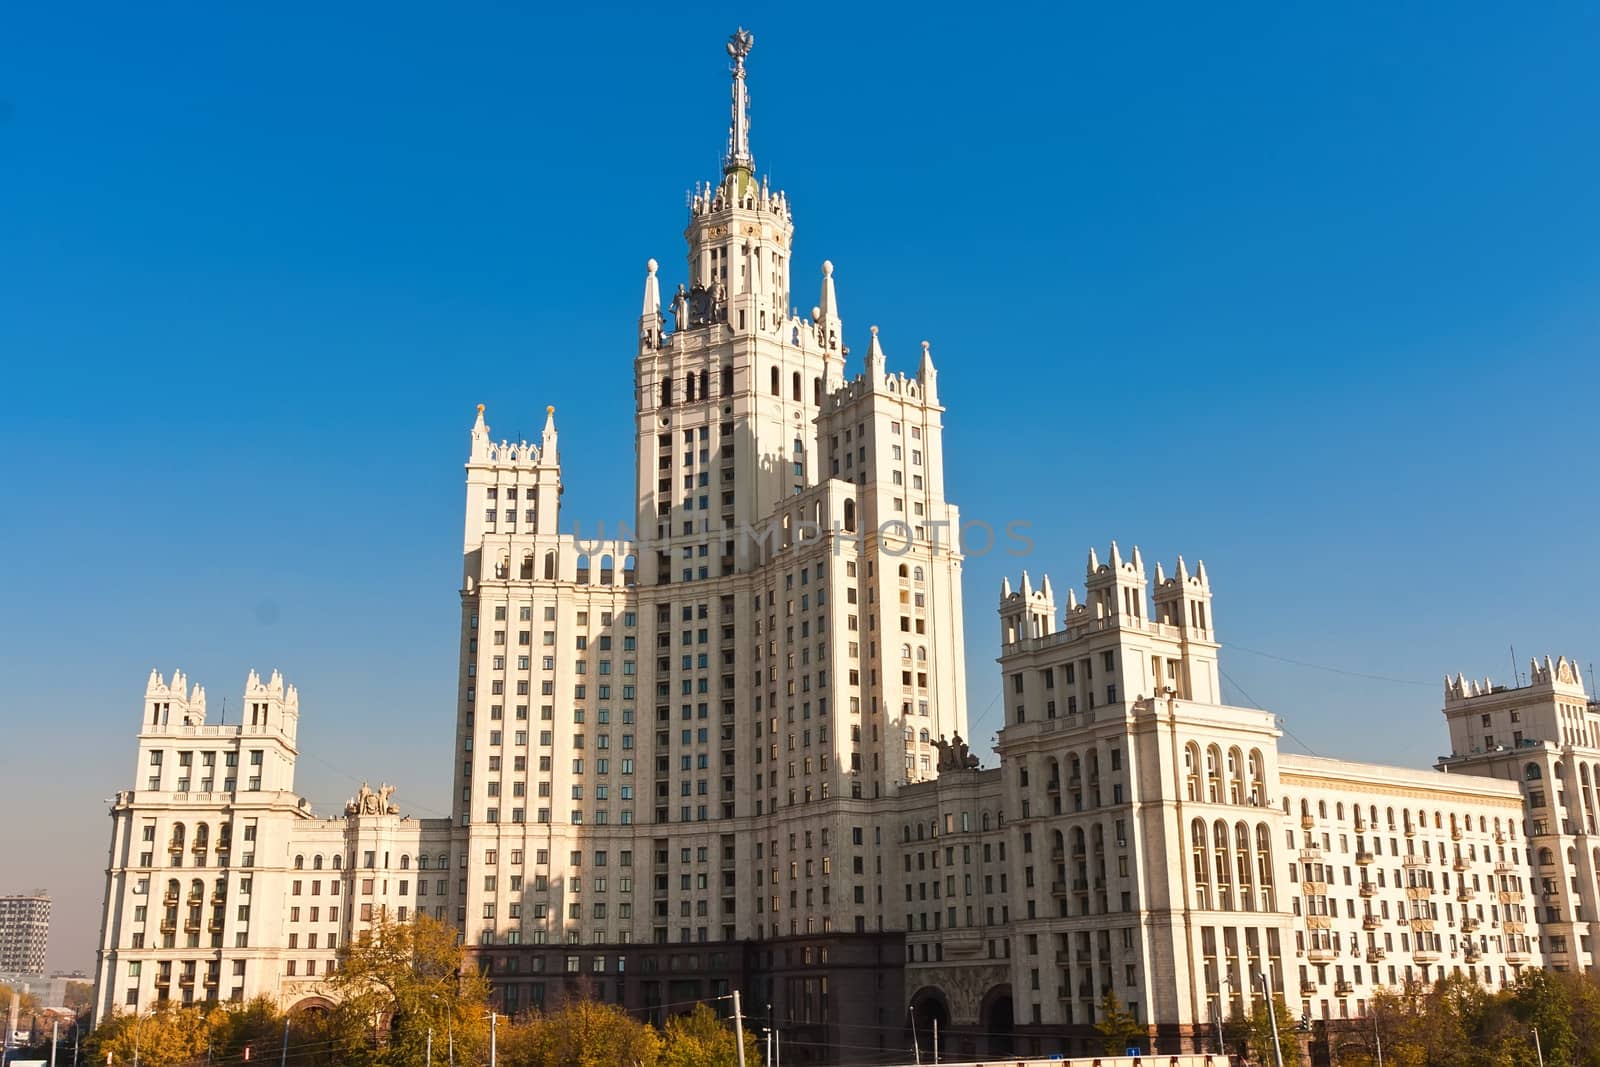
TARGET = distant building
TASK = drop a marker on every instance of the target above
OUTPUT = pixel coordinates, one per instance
(24, 932)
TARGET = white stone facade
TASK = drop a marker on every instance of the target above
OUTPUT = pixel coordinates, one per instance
(708, 751)
(221, 884)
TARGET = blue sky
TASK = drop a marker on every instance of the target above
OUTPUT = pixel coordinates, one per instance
(1306, 293)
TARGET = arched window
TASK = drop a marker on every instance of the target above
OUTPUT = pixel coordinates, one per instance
(985, 821)
(705, 385)
(1546, 857)
(338, 862)
(727, 381)
(527, 565)
(905, 651)
(1191, 771)
(816, 391)
(1532, 772)
(794, 389)
(775, 382)
(688, 388)
(904, 572)
(550, 566)
(666, 392)
(405, 862)
(608, 570)
(1214, 774)
(1199, 854)
(923, 737)
(850, 516)
(316, 862)
(922, 654)
(916, 574)
(1235, 776)
(299, 863)
(583, 569)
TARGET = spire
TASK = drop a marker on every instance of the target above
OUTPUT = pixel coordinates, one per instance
(875, 358)
(828, 306)
(1005, 593)
(1027, 586)
(1161, 574)
(652, 293)
(928, 377)
(739, 158)
(1183, 570)
(1138, 560)
(1094, 561)
(1116, 557)
(1049, 594)
(547, 447)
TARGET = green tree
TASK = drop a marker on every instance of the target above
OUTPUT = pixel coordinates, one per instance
(402, 979)
(703, 1039)
(1118, 1029)
(583, 1033)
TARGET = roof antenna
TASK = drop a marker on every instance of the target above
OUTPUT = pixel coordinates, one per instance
(1516, 675)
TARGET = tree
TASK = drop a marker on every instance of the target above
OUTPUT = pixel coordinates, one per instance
(703, 1039)
(583, 1033)
(406, 978)
(1118, 1028)
(78, 998)
(166, 1037)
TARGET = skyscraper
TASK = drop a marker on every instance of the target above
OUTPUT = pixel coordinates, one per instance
(24, 932)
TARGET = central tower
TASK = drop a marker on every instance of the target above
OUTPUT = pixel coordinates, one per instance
(726, 399)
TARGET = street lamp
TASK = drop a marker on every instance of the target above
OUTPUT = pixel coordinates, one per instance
(450, 1032)
(1272, 1018)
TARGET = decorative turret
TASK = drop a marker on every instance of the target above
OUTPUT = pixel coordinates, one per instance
(1116, 588)
(1026, 613)
(1184, 600)
(171, 703)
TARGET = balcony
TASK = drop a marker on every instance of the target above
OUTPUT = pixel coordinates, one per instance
(1058, 889)
(1370, 922)
(1472, 954)
(1413, 861)
(1363, 858)
(163, 981)
(169, 926)
(1053, 787)
(1343, 989)
(1425, 956)
(1468, 925)
(1058, 855)
(191, 925)
(1456, 834)
(1460, 866)
(175, 846)
(1411, 831)
(1063, 957)
(1499, 837)
(214, 926)
(1518, 957)
(1308, 989)
(170, 899)
(1465, 894)
(1375, 955)
(1503, 868)
(1311, 854)
(1368, 890)
(1510, 896)
(1313, 887)
(1307, 822)
(1322, 953)
(212, 979)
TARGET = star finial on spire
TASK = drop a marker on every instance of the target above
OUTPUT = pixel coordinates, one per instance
(739, 157)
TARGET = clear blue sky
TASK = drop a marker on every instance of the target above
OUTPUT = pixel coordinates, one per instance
(1307, 293)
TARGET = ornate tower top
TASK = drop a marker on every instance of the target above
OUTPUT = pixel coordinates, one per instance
(739, 158)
